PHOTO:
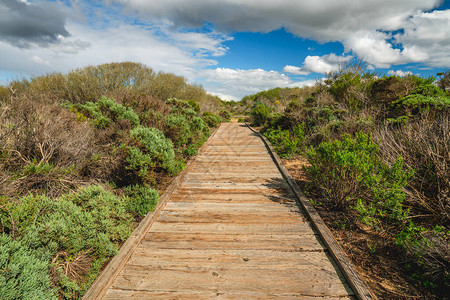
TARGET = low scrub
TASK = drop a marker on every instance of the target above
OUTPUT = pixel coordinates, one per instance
(83, 157)
(140, 199)
(378, 154)
(351, 174)
(24, 272)
(73, 235)
(287, 142)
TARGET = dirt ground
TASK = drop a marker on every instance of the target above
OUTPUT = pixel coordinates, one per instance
(374, 258)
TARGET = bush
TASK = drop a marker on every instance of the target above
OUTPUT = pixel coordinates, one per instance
(104, 111)
(287, 143)
(88, 226)
(24, 274)
(225, 115)
(428, 255)
(178, 129)
(424, 97)
(259, 114)
(351, 174)
(155, 151)
(140, 199)
(211, 119)
(77, 232)
(351, 86)
(90, 220)
(119, 111)
(17, 216)
(424, 145)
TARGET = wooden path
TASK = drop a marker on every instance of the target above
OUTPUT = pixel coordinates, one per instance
(231, 229)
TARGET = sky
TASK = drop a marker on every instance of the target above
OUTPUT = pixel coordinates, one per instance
(231, 47)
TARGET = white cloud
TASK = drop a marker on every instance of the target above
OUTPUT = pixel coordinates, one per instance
(178, 52)
(318, 64)
(399, 73)
(233, 84)
(294, 70)
(362, 26)
(319, 19)
(427, 36)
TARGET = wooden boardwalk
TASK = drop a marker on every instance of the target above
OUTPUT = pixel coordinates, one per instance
(230, 230)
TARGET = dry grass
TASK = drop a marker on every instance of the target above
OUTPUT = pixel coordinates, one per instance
(425, 147)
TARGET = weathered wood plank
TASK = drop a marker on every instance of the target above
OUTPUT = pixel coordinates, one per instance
(228, 217)
(281, 242)
(118, 294)
(228, 206)
(232, 259)
(309, 282)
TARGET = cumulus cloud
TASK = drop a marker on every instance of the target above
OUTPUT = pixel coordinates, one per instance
(364, 27)
(318, 19)
(318, 64)
(202, 43)
(23, 24)
(399, 73)
(233, 84)
(87, 46)
(427, 35)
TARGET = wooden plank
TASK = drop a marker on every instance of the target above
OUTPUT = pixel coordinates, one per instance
(228, 217)
(230, 191)
(228, 206)
(232, 198)
(233, 228)
(232, 259)
(118, 294)
(309, 282)
(280, 242)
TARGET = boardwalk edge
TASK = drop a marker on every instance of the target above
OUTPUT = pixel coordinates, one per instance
(105, 279)
(346, 267)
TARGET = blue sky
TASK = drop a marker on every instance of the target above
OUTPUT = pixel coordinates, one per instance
(232, 47)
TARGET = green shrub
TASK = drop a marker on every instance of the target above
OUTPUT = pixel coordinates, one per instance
(156, 150)
(119, 111)
(211, 119)
(225, 115)
(424, 97)
(178, 129)
(102, 112)
(93, 112)
(24, 274)
(186, 131)
(92, 219)
(140, 162)
(88, 226)
(18, 215)
(38, 168)
(183, 107)
(140, 199)
(428, 254)
(194, 105)
(287, 143)
(351, 174)
(260, 113)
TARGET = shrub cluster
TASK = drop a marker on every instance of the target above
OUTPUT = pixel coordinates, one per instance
(63, 139)
(379, 152)
(71, 236)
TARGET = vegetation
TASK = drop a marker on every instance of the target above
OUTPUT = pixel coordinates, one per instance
(378, 154)
(83, 158)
